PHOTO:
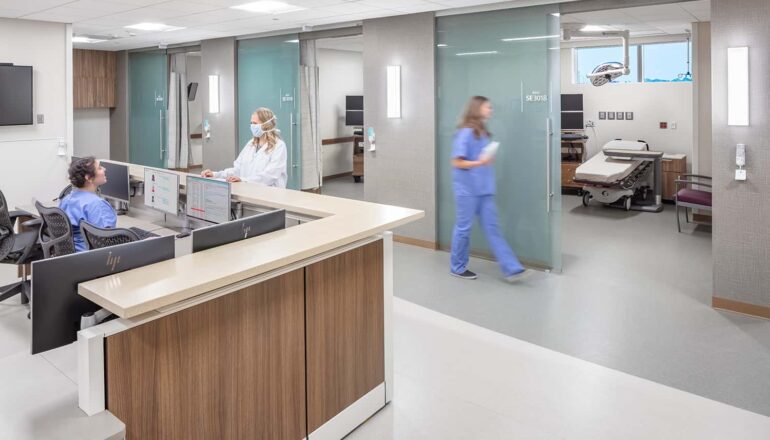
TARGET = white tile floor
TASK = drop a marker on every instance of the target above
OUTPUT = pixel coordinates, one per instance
(455, 380)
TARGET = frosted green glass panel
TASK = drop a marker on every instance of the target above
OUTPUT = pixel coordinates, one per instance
(148, 89)
(511, 57)
(268, 76)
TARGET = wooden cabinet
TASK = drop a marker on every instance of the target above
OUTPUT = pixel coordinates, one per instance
(568, 175)
(93, 73)
(672, 168)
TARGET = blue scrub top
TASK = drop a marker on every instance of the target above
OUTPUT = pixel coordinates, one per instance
(85, 205)
(478, 181)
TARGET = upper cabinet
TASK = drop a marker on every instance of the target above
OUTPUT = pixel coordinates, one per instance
(94, 73)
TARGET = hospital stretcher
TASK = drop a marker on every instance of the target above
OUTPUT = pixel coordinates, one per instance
(625, 174)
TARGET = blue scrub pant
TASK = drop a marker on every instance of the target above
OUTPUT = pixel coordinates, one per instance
(484, 207)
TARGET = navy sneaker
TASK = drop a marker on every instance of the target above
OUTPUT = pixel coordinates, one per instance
(468, 275)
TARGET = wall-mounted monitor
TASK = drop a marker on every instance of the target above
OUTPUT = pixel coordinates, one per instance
(192, 90)
(572, 121)
(572, 102)
(15, 95)
(354, 103)
(354, 118)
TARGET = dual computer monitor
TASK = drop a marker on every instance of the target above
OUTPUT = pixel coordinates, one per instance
(118, 185)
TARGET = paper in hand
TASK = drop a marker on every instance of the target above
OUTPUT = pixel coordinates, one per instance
(490, 150)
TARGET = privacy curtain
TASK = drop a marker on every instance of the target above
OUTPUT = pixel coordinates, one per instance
(178, 133)
(312, 171)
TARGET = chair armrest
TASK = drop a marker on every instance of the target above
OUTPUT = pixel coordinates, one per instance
(19, 213)
(35, 222)
(697, 176)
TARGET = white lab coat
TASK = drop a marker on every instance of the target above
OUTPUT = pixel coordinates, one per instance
(255, 165)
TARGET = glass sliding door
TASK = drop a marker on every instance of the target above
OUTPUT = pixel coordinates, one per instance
(511, 57)
(268, 76)
(148, 92)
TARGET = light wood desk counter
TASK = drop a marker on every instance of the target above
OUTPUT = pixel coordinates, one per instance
(342, 221)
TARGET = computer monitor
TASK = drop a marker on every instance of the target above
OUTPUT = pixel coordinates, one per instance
(572, 121)
(354, 103)
(572, 102)
(161, 190)
(208, 199)
(354, 118)
(241, 229)
(56, 304)
(117, 186)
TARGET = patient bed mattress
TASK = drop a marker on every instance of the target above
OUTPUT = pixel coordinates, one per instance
(605, 170)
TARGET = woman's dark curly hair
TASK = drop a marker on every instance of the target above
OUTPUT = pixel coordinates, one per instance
(80, 169)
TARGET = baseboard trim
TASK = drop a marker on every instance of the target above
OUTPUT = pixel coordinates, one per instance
(337, 176)
(740, 307)
(415, 242)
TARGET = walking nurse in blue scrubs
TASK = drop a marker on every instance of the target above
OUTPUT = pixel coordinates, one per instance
(473, 179)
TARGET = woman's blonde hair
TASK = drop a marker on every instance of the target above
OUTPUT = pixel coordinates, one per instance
(267, 117)
(472, 117)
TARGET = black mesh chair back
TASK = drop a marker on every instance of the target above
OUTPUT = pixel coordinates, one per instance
(97, 238)
(56, 233)
(6, 229)
(67, 189)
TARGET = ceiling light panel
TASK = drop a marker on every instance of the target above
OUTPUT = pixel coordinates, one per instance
(268, 7)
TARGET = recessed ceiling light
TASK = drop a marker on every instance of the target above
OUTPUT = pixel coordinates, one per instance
(441, 45)
(157, 27)
(82, 39)
(268, 7)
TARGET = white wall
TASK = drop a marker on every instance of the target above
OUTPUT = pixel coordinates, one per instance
(30, 166)
(651, 104)
(91, 135)
(341, 73)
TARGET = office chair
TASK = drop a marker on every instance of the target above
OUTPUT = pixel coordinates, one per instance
(689, 198)
(67, 189)
(17, 248)
(55, 235)
(97, 238)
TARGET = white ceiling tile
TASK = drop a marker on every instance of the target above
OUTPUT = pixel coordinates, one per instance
(10, 13)
(185, 8)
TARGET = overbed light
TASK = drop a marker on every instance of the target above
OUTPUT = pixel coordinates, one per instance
(465, 54)
(738, 86)
(394, 91)
(156, 27)
(268, 7)
(542, 37)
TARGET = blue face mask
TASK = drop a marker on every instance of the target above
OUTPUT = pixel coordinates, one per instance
(256, 129)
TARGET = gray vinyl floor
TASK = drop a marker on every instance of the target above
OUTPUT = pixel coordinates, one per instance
(634, 296)
(343, 187)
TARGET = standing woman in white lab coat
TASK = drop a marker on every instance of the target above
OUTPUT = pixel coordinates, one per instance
(263, 158)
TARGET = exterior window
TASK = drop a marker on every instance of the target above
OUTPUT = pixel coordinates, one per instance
(666, 62)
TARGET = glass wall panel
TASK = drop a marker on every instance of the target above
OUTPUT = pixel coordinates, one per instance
(268, 76)
(512, 57)
(148, 90)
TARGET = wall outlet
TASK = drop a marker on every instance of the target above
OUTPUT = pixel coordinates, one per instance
(40, 119)
(663, 125)
(672, 125)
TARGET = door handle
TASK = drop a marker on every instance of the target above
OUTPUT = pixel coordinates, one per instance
(548, 184)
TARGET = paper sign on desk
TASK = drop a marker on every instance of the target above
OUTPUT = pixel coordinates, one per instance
(490, 150)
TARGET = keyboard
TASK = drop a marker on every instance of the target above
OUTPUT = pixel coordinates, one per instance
(142, 233)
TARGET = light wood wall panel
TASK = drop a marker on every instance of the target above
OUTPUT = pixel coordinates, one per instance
(230, 368)
(93, 73)
(345, 333)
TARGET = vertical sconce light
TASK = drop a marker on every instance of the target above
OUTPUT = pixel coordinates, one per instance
(738, 86)
(394, 91)
(213, 93)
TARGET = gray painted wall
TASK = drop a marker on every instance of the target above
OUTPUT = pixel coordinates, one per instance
(91, 136)
(741, 209)
(119, 114)
(218, 57)
(403, 169)
(701, 38)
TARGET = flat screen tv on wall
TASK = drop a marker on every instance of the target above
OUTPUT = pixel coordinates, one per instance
(15, 95)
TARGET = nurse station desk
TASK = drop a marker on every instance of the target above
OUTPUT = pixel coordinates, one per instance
(281, 336)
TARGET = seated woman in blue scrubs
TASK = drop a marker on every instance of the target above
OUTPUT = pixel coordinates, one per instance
(473, 181)
(86, 175)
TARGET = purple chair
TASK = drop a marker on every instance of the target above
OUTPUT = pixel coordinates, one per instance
(690, 198)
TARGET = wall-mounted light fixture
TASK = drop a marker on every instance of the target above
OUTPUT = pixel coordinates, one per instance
(213, 93)
(394, 91)
(738, 86)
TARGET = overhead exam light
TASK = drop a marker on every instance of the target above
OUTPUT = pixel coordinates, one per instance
(605, 72)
